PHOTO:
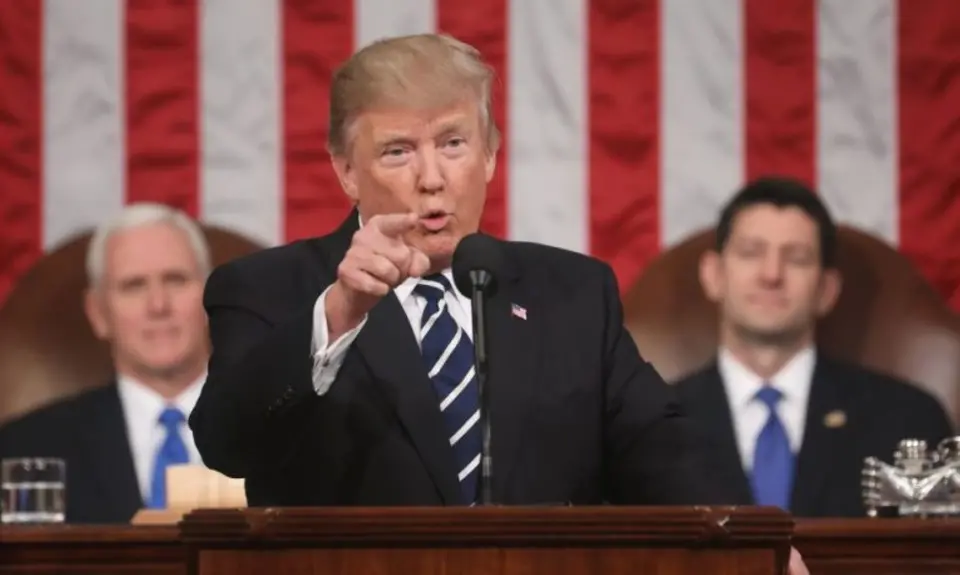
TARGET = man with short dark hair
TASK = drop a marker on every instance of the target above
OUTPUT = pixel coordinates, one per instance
(789, 426)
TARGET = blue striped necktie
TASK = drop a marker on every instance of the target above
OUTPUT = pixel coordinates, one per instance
(173, 451)
(448, 355)
(773, 460)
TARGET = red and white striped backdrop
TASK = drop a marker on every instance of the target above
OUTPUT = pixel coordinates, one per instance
(627, 122)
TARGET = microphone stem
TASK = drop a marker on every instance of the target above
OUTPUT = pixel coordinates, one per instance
(480, 366)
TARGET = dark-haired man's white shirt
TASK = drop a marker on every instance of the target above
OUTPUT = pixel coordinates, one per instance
(749, 415)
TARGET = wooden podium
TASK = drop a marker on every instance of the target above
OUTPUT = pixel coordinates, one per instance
(488, 540)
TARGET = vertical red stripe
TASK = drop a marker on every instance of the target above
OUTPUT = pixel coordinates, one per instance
(624, 128)
(928, 74)
(484, 25)
(21, 133)
(317, 37)
(780, 83)
(162, 82)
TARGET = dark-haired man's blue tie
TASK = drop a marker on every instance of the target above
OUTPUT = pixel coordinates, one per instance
(773, 460)
(173, 451)
(448, 355)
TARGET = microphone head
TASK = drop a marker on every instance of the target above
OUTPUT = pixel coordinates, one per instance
(477, 263)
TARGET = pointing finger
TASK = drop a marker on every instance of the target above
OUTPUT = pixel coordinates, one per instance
(394, 225)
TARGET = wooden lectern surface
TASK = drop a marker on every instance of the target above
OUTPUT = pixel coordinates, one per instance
(829, 547)
(93, 550)
(490, 540)
(879, 546)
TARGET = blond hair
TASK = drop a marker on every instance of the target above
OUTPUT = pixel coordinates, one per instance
(422, 70)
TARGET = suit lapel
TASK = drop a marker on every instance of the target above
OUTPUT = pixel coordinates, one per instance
(712, 409)
(391, 351)
(108, 450)
(825, 437)
(514, 336)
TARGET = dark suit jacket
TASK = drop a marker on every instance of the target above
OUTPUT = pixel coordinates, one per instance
(577, 416)
(879, 410)
(88, 431)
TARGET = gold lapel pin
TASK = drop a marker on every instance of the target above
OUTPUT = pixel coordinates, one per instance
(834, 419)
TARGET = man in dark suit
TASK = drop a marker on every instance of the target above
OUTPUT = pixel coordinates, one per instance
(342, 367)
(146, 271)
(787, 425)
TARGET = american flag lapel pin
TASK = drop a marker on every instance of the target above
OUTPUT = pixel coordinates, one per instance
(518, 311)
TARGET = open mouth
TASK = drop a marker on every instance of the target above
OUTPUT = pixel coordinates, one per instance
(435, 220)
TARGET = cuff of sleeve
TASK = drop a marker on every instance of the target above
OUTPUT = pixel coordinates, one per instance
(328, 357)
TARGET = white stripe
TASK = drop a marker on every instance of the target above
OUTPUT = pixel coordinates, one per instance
(240, 117)
(446, 354)
(433, 284)
(547, 123)
(857, 120)
(702, 112)
(433, 319)
(465, 427)
(376, 19)
(83, 107)
(469, 468)
(453, 395)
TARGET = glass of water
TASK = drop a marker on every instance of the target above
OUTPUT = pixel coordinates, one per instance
(33, 490)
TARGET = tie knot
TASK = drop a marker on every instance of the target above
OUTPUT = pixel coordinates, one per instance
(770, 396)
(433, 287)
(171, 417)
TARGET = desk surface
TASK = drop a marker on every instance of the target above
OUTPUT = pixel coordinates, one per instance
(110, 550)
(848, 546)
(880, 546)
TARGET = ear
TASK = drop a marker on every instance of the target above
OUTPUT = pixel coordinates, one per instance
(711, 275)
(831, 285)
(346, 174)
(96, 314)
(490, 165)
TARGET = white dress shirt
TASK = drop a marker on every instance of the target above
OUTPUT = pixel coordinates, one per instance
(142, 407)
(328, 357)
(750, 414)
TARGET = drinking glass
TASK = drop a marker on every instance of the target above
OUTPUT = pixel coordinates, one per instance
(33, 490)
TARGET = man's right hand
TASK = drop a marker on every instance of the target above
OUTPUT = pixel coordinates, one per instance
(378, 260)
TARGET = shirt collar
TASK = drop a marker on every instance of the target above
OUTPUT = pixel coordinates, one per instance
(404, 290)
(143, 399)
(793, 380)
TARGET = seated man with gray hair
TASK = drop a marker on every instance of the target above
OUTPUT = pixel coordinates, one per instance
(146, 272)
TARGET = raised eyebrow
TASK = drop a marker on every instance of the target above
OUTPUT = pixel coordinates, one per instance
(394, 140)
(451, 127)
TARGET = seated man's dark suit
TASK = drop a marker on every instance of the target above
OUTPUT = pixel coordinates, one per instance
(577, 415)
(852, 413)
(87, 431)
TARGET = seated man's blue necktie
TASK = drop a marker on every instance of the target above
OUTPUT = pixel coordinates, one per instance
(773, 460)
(173, 451)
(448, 354)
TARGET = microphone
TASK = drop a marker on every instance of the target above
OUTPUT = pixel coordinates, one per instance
(477, 263)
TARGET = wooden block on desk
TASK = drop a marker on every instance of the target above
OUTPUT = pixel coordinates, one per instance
(158, 516)
(194, 486)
